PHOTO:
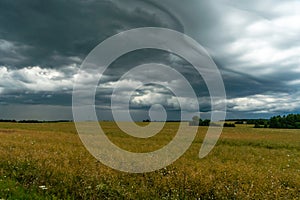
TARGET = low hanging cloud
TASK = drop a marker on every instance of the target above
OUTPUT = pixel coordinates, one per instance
(265, 103)
(34, 79)
(144, 96)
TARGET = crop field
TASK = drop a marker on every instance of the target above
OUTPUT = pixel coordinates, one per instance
(49, 161)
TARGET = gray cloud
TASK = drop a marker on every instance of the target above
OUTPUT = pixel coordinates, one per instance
(255, 44)
(59, 30)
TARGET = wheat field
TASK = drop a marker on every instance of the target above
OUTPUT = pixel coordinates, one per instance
(49, 161)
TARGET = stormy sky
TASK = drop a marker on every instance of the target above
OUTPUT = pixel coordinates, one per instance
(255, 45)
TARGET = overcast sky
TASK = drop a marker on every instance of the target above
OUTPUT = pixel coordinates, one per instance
(255, 44)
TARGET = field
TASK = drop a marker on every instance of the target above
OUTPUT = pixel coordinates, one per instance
(48, 161)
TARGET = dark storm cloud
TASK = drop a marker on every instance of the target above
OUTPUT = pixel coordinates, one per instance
(58, 35)
(45, 98)
(255, 44)
(52, 33)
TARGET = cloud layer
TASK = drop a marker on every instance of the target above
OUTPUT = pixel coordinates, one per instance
(256, 46)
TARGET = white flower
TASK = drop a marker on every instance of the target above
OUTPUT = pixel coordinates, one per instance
(43, 187)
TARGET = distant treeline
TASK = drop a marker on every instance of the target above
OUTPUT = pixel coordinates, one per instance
(291, 121)
(286, 121)
(247, 121)
(228, 125)
(148, 120)
(33, 121)
(199, 122)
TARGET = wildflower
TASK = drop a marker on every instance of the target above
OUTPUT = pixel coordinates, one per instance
(43, 187)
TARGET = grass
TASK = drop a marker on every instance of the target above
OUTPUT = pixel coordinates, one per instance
(48, 161)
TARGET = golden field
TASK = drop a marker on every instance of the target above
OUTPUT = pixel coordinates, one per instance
(49, 161)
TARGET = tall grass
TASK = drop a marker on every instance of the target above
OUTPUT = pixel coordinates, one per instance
(48, 161)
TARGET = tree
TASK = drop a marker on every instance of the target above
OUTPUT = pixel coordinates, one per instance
(229, 125)
(205, 122)
(257, 125)
(286, 121)
(196, 121)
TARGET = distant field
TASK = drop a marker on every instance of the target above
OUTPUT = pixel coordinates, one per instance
(48, 161)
